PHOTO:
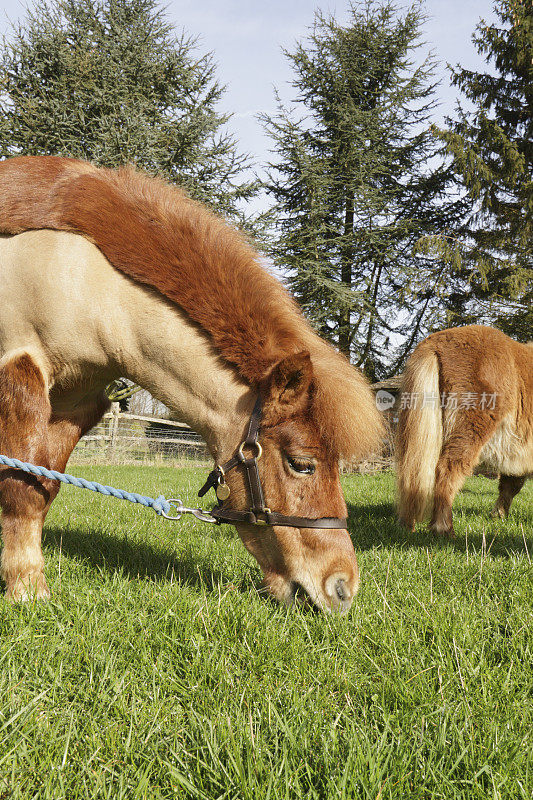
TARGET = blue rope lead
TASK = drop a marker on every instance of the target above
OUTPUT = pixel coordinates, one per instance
(161, 505)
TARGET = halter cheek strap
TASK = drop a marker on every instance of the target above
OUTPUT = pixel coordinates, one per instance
(259, 513)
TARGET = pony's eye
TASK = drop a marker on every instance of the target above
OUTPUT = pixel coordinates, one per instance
(301, 466)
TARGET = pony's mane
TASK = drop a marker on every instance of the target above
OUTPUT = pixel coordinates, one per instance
(155, 234)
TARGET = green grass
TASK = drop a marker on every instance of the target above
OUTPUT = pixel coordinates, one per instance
(159, 671)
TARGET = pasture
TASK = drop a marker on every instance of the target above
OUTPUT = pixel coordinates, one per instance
(159, 671)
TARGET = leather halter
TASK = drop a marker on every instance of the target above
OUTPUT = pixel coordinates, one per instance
(259, 513)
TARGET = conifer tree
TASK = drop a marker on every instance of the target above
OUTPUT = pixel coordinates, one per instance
(492, 151)
(109, 81)
(357, 183)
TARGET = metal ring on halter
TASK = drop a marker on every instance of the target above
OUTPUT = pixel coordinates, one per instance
(240, 452)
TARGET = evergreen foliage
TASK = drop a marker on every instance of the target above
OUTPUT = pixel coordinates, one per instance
(109, 81)
(357, 182)
(492, 150)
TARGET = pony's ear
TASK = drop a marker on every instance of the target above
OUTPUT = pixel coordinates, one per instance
(286, 389)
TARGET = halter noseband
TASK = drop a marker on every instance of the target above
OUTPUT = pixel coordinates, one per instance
(259, 513)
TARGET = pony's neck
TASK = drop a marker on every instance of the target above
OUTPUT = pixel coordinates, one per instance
(178, 365)
(100, 325)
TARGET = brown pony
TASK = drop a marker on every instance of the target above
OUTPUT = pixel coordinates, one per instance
(467, 398)
(107, 273)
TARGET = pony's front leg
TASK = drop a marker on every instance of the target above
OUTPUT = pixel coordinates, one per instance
(509, 486)
(22, 558)
(24, 417)
(22, 561)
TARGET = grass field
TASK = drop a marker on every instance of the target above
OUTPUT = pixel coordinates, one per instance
(159, 671)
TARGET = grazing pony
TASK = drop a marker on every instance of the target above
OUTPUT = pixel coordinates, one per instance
(112, 273)
(467, 398)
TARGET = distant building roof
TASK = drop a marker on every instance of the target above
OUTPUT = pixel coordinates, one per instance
(390, 384)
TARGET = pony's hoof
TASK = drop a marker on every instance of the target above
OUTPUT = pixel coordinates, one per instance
(498, 513)
(446, 533)
(30, 588)
(407, 524)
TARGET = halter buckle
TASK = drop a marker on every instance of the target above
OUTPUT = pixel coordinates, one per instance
(263, 521)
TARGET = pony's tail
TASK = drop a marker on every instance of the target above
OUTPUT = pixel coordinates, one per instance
(419, 437)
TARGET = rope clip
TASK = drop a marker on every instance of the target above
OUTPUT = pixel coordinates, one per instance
(177, 504)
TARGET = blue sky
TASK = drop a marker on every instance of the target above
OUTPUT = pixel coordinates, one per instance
(247, 38)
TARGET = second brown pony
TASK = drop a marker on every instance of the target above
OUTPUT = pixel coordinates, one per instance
(467, 398)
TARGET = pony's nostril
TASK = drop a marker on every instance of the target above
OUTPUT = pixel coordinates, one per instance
(341, 590)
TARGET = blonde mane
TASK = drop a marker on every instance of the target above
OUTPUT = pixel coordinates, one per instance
(152, 232)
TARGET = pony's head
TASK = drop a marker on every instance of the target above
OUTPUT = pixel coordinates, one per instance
(299, 474)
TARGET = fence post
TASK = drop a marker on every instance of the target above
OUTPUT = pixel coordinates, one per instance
(113, 430)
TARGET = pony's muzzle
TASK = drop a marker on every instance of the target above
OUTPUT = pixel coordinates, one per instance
(338, 595)
(340, 591)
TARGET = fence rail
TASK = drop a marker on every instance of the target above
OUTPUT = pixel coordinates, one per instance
(133, 438)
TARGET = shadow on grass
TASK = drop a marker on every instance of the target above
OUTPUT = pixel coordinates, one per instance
(136, 560)
(371, 525)
(376, 525)
(489, 492)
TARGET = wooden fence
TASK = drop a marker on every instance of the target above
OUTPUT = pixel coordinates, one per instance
(132, 438)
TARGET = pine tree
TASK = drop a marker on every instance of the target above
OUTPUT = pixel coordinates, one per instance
(357, 183)
(492, 151)
(109, 81)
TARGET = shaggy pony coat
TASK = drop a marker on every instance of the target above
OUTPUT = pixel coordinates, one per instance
(467, 397)
(158, 236)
